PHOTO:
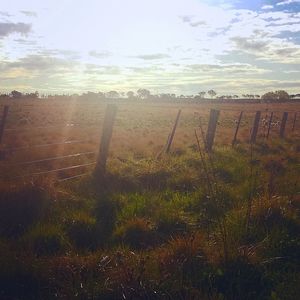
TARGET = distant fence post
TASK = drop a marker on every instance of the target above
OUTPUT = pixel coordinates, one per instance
(255, 127)
(108, 124)
(237, 128)
(294, 122)
(269, 124)
(283, 124)
(171, 136)
(211, 130)
(3, 122)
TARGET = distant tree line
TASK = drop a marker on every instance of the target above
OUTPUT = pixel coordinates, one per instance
(144, 94)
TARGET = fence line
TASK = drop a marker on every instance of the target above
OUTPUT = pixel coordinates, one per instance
(107, 132)
(54, 171)
(72, 177)
(43, 127)
(47, 145)
(52, 158)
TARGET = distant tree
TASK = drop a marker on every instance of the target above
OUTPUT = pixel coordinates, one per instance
(130, 94)
(112, 94)
(4, 96)
(269, 97)
(16, 94)
(143, 93)
(202, 94)
(212, 93)
(282, 95)
(166, 96)
(34, 95)
(101, 95)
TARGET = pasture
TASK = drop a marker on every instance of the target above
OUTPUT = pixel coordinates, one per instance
(37, 130)
(183, 225)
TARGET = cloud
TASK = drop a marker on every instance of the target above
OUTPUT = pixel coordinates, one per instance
(265, 7)
(229, 69)
(153, 56)
(287, 2)
(250, 45)
(189, 20)
(97, 54)
(38, 63)
(9, 28)
(29, 13)
(287, 52)
(291, 71)
(186, 19)
(196, 24)
(148, 70)
(102, 70)
(25, 42)
(5, 14)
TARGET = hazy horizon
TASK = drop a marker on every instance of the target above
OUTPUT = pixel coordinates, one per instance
(182, 47)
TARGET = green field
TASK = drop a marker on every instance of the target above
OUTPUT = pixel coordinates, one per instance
(184, 225)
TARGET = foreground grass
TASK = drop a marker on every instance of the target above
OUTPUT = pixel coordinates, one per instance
(156, 229)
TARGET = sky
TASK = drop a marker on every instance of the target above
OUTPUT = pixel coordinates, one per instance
(166, 46)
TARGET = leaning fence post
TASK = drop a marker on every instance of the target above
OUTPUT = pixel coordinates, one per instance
(294, 122)
(3, 122)
(270, 123)
(211, 130)
(171, 136)
(108, 124)
(255, 127)
(283, 123)
(237, 128)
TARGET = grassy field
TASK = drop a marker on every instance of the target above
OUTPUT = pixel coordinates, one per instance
(181, 226)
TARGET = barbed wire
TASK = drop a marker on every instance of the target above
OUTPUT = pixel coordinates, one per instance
(72, 177)
(52, 158)
(53, 171)
(46, 145)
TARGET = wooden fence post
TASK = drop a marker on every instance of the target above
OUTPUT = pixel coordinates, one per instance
(255, 127)
(269, 125)
(283, 124)
(211, 130)
(237, 128)
(294, 122)
(171, 136)
(3, 122)
(108, 125)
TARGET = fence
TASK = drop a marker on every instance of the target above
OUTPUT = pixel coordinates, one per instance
(98, 158)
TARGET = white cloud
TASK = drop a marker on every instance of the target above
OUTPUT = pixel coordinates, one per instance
(287, 2)
(266, 7)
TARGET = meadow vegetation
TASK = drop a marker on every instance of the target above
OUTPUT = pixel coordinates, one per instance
(177, 226)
